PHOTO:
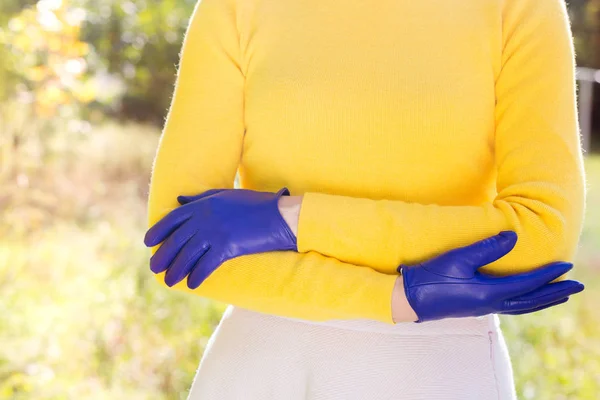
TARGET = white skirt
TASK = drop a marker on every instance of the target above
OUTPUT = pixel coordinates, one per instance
(254, 356)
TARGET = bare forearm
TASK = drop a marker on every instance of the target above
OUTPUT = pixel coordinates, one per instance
(289, 207)
(401, 309)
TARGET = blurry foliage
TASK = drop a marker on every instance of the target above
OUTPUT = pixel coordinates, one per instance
(83, 318)
(139, 41)
(48, 58)
(46, 85)
(67, 63)
(122, 55)
(585, 21)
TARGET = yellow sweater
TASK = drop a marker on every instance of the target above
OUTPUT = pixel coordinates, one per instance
(411, 128)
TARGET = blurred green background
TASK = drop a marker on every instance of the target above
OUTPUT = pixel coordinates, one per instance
(84, 88)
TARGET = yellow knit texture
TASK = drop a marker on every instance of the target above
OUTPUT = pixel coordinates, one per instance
(410, 127)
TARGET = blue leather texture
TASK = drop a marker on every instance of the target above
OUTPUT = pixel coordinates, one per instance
(451, 285)
(213, 227)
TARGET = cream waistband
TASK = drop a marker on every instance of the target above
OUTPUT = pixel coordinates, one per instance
(452, 326)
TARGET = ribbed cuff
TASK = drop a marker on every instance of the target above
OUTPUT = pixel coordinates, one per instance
(319, 221)
(382, 298)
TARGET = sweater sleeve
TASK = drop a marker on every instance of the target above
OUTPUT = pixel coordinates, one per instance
(540, 175)
(200, 149)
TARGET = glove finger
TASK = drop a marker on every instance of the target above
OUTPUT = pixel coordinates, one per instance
(185, 261)
(205, 266)
(520, 284)
(168, 250)
(463, 262)
(489, 250)
(569, 287)
(562, 301)
(188, 199)
(166, 226)
(546, 294)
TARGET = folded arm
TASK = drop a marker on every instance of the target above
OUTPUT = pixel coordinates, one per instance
(540, 181)
(200, 149)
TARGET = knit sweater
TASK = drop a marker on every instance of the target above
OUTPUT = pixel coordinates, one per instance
(410, 127)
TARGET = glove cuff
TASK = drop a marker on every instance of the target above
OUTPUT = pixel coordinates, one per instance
(292, 239)
(402, 269)
(284, 191)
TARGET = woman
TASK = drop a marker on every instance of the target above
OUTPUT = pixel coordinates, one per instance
(381, 148)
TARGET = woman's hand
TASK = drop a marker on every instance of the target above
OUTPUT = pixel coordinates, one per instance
(289, 207)
(450, 286)
(216, 226)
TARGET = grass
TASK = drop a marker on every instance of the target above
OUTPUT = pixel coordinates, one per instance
(83, 318)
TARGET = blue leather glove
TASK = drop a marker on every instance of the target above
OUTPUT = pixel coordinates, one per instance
(216, 226)
(450, 286)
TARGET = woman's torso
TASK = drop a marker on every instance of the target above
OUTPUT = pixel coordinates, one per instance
(389, 100)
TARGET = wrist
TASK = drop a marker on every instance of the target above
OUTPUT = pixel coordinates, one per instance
(289, 208)
(401, 309)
